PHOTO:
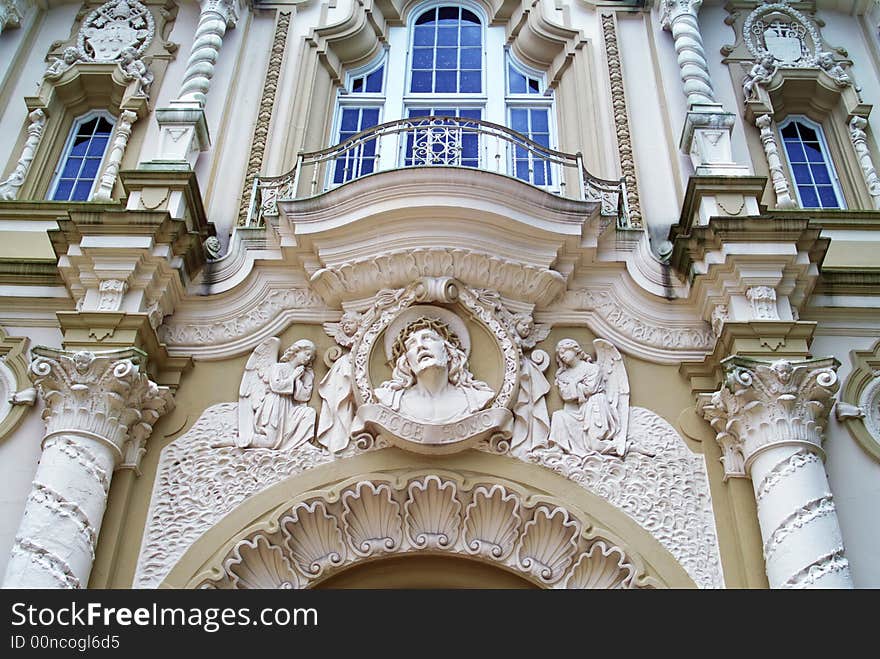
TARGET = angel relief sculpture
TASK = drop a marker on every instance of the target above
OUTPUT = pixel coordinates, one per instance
(531, 427)
(595, 395)
(273, 410)
(335, 389)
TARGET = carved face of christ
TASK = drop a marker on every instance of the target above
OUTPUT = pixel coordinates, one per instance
(425, 349)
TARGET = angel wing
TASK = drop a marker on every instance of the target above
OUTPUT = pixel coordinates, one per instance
(254, 387)
(334, 331)
(616, 388)
(540, 332)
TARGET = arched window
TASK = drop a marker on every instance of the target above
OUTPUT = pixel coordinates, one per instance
(810, 165)
(80, 162)
(447, 52)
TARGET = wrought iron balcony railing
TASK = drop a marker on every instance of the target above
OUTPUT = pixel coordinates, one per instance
(435, 141)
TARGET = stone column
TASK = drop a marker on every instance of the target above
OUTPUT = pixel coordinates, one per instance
(9, 188)
(111, 170)
(770, 419)
(100, 408)
(184, 131)
(859, 139)
(771, 150)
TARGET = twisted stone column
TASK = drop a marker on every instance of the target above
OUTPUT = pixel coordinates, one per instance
(9, 188)
(97, 406)
(680, 18)
(860, 144)
(771, 150)
(111, 170)
(216, 16)
(770, 420)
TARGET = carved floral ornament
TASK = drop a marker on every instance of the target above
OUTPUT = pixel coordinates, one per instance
(537, 539)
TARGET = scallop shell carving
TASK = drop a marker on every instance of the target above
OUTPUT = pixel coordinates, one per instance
(372, 519)
(548, 544)
(492, 522)
(314, 538)
(432, 513)
(602, 566)
(259, 564)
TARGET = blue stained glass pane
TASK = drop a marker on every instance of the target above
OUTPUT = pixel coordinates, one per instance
(820, 174)
(469, 143)
(471, 58)
(790, 132)
(519, 120)
(97, 145)
(428, 17)
(471, 36)
(370, 148)
(447, 58)
(541, 138)
(472, 113)
(81, 191)
(71, 168)
(445, 82)
(534, 87)
(368, 165)
(517, 81)
(374, 80)
(469, 17)
(801, 174)
(808, 197)
(471, 81)
(814, 152)
(62, 192)
(827, 197)
(88, 127)
(419, 112)
(339, 172)
(357, 85)
(447, 36)
(421, 81)
(795, 152)
(540, 121)
(423, 35)
(80, 144)
(538, 174)
(522, 169)
(423, 58)
(350, 120)
(369, 118)
(90, 169)
(104, 126)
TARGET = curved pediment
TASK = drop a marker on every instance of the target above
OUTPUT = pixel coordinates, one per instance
(383, 230)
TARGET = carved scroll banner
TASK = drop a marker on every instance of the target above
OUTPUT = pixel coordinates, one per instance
(433, 438)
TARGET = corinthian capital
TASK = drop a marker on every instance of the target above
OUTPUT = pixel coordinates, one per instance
(102, 396)
(227, 9)
(672, 9)
(763, 405)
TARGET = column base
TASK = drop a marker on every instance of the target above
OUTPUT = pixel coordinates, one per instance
(183, 134)
(706, 139)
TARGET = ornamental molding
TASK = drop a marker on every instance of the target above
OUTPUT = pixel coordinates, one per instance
(198, 483)
(9, 188)
(769, 404)
(534, 537)
(16, 394)
(859, 405)
(11, 13)
(101, 396)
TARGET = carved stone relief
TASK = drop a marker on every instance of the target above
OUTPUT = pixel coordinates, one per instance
(539, 540)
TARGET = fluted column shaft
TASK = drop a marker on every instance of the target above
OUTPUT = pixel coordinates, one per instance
(96, 406)
(680, 17)
(770, 422)
(216, 16)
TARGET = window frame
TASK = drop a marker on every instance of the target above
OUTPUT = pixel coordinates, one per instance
(544, 99)
(68, 145)
(828, 159)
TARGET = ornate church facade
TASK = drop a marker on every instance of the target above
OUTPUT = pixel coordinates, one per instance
(423, 293)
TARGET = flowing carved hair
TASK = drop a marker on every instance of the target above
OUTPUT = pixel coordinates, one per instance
(459, 375)
(566, 344)
(298, 347)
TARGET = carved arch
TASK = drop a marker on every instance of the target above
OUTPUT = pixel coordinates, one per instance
(861, 397)
(302, 531)
(16, 393)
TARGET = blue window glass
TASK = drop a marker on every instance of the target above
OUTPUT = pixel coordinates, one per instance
(810, 166)
(359, 159)
(371, 83)
(82, 161)
(529, 164)
(519, 83)
(453, 141)
(447, 55)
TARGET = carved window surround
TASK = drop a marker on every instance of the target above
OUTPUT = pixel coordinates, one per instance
(859, 405)
(808, 77)
(15, 389)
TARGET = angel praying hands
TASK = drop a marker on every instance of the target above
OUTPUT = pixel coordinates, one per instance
(595, 413)
(273, 410)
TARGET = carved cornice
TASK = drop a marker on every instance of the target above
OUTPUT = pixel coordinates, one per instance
(763, 405)
(104, 397)
(537, 539)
